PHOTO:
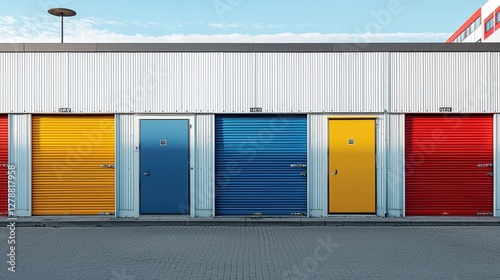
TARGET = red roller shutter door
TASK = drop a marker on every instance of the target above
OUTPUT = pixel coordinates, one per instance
(4, 159)
(449, 165)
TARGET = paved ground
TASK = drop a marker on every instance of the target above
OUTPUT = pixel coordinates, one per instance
(185, 220)
(192, 252)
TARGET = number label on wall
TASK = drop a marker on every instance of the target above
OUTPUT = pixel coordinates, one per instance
(445, 109)
(64, 110)
(255, 109)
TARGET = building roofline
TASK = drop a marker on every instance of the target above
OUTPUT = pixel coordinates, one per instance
(249, 47)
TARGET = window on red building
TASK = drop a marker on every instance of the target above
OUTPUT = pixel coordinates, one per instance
(489, 25)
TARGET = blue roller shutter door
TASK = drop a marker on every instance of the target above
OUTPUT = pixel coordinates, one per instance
(260, 165)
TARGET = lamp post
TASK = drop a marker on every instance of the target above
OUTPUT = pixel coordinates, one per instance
(61, 12)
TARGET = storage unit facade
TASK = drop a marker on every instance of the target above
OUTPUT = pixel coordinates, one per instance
(252, 129)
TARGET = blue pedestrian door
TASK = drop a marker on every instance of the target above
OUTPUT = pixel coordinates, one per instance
(260, 165)
(164, 166)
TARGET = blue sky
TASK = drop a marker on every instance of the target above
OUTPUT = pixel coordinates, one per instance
(235, 20)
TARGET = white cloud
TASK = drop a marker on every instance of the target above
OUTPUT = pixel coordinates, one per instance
(101, 36)
(257, 25)
(114, 22)
(7, 20)
(106, 36)
(225, 25)
(45, 29)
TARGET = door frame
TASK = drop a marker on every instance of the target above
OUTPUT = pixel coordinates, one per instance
(378, 189)
(137, 158)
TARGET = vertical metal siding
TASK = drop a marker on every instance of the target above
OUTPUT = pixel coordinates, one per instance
(127, 193)
(381, 138)
(9, 82)
(20, 156)
(321, 82)
(317, 165)
(448, 160)
(226, 82)
(125, 82)
(4, 159)
(67, 155)
(253, 158)
(495, 90)
(496, 165)
(495, 80)
(424, 82)
(218, 82)
(43, 82)
(204, 166)
(395, 164)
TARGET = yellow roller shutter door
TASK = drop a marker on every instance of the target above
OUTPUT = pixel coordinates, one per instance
(68, 157)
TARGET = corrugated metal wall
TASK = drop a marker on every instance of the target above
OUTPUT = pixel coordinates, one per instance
(317, 165)
(381, 138)
(495, 80)
(395, 164)
(9, 82)
(218, 82)
(127, 194)
(495, 90)
(20, 156)
(212, 82)
(204, 166)
(424, 82)
(125, 82)
(321, 82)
(496, 165)
(43, 83)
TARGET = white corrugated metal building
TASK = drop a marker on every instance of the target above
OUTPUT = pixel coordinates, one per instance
(273, 129)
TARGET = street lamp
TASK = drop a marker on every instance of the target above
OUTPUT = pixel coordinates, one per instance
(61, 12)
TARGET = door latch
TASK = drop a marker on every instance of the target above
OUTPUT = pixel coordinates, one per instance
(335, 172)
(303, 173)
(146, 173)
(490, 174)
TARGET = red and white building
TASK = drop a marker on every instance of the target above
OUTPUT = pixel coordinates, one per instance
(482, 26)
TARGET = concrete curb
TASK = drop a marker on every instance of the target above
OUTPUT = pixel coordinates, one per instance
(246, 222)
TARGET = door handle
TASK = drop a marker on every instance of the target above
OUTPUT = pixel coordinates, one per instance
(335, 172)
(146, 173)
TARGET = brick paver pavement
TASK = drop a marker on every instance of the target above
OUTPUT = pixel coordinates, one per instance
(126, 253)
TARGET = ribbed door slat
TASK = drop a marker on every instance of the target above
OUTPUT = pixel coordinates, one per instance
(253, 158)
(67, 155)
(4, 159)
(442, 158)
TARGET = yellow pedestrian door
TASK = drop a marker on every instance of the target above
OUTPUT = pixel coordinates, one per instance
(351, 166)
